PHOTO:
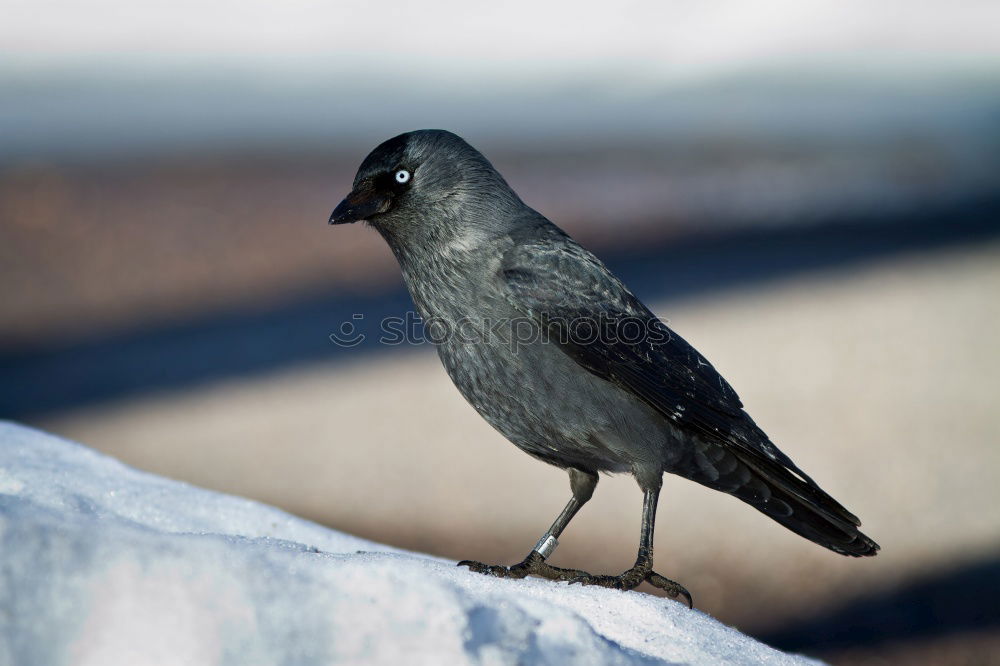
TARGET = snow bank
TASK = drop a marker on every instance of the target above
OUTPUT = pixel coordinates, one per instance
(102, 564)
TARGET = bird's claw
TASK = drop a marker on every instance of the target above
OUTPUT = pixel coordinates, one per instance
(498, 570)
(671, 587)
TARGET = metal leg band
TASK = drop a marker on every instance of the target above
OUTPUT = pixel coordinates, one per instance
(546, 545)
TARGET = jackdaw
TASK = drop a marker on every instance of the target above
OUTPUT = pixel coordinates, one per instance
(561, 358)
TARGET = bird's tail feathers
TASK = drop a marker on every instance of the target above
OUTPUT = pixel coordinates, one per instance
(797, 503)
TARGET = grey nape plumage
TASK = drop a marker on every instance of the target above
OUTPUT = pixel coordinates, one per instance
(560, 357)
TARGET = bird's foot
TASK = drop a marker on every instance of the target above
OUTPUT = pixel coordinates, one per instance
(533, 564)
(498, 570)
(629, 580)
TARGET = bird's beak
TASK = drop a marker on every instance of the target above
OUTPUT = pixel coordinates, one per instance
(361, 204)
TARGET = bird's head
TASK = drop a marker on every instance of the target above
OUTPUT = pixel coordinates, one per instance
(427, 183)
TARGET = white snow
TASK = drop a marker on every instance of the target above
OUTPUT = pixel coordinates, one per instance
(103, 564)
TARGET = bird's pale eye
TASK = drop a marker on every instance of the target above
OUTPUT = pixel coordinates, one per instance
(402, 176)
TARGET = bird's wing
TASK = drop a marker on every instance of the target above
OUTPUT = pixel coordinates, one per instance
(570, 292)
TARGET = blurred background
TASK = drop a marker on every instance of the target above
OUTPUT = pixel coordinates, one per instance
(809, 191)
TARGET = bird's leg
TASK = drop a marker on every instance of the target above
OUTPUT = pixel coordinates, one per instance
(583, 484)
(643, 568)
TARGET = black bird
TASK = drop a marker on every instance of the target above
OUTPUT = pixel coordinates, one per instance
(560, 357)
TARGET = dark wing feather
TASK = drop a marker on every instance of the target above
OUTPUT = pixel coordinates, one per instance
(566, 288)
